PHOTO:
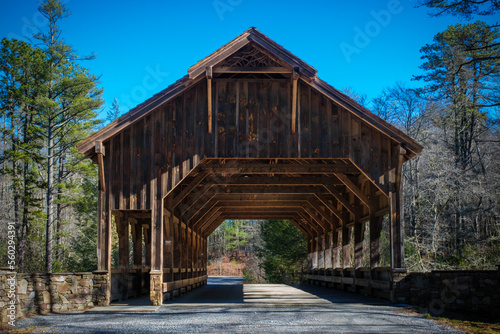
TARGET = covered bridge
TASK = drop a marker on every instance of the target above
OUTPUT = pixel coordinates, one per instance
(250, 133)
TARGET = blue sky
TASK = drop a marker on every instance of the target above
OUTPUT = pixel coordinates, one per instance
(143, 46)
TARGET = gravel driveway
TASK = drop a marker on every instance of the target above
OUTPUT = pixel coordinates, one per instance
(226, 306)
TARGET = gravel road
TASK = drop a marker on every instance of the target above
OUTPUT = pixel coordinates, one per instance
(227, 306)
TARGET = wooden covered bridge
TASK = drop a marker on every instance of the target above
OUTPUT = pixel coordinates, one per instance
(250, 133)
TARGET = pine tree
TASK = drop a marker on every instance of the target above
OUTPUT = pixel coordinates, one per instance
(67, 113)
(22, 71)
(467, 87)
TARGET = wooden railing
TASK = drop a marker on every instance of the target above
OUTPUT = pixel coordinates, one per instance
(377, 282)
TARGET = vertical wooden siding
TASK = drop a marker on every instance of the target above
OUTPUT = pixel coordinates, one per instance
(251, 119)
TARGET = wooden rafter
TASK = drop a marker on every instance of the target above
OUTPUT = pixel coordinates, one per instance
(186, 191)
(280, 169)
(355, 190)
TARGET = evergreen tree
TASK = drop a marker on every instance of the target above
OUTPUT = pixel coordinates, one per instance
(467, 87)
(114, 112)
(462, 8)
(284, 249)
(67, 113)
(22, 72)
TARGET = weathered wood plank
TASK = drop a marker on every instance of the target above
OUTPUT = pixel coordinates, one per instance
(253, 115)
(262, 144)
(305, 122)
(127, 163)
(316, 135)
(221, 114)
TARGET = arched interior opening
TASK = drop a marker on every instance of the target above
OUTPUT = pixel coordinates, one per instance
(330, 201)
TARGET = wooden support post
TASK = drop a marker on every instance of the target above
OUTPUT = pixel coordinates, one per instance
(396, 207)
(147, 244)
(321, 250)
(294, 101)
(185, 250)
(199, 252)
(156, 232)
(99, 150)
(122, 229)
(346, 240)
(176, 246)
(195, 253)
(136, 230)
(103, 272)
(359, 229)
(189, 246)
(168, 248)
(375, 230)
(209, 98)
(309, 253)
(336, 249)
(329, 249)
(315, 251)
(137, 245)
(204, 255)
(104, 233)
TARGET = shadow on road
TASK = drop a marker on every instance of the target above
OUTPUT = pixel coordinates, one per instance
(219, 290)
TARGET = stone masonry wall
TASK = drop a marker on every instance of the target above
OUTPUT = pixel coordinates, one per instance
(45, 293)
(435, 292)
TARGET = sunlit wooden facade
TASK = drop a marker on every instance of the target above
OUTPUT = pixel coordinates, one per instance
(250, 133)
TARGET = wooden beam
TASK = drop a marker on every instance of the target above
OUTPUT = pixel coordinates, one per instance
(209, 97)
(192, 201)
(307, 219)
(329, 206)
(211, 217)
(194, 221)
(396, 208)
(338, 196)
(318, 220)
(355, 190)
(99, 149)
(281, 169)
(186, 191)
(243, 197)
(271, 189)
(281, 180)
(212, 228)
(294, 101)
(316, 206)
(236, 69)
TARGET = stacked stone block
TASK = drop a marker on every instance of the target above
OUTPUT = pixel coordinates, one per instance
(46, 293)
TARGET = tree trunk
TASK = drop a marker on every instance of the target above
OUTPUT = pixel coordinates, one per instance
(49, 201)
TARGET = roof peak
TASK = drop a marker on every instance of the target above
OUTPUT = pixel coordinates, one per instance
(252, 35)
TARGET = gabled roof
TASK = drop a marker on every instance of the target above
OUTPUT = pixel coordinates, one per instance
(252, 35)
(196, 73)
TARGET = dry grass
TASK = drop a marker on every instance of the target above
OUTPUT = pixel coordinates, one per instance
(28, 330)
(468, 326)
